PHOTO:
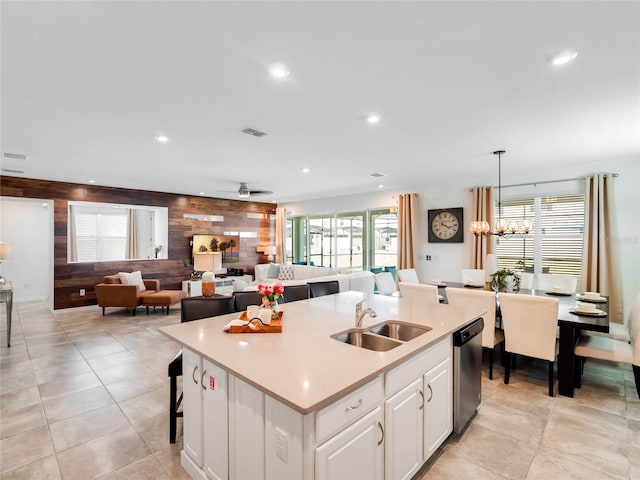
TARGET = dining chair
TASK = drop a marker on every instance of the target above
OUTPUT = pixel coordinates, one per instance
(243, 299)
(192, 308)
(610, 349)
(319, 289)
(293, 293)
(527, 280)
(385, 283)
(480, 300)
(407, 275)
(419, 293)
(549, 282)
(530, 325)
(474, 277)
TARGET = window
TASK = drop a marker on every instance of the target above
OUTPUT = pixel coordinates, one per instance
(555, 245)
(349, 240)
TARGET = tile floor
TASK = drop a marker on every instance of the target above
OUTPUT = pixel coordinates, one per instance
(84, 396)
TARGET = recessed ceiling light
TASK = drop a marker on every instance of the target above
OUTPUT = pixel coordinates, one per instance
(278, 70)
(201, 193)
(91, 181)
(162, 138)
(564, 57)
(373, 118)
(380, 186)
(306, 170)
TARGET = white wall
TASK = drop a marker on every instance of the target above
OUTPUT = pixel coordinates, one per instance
(27, 224)
(448, 259)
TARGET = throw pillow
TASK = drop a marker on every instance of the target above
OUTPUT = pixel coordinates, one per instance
(133, 278)
(274, 271)
(239, 285)
(286, 272)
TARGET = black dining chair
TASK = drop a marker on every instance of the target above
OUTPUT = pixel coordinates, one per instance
(243, 299)
(319, 289)
(293, 293)
(192, 308)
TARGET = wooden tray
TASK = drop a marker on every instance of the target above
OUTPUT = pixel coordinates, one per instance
(274, 327)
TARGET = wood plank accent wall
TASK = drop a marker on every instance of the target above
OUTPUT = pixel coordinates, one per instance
(69, 278)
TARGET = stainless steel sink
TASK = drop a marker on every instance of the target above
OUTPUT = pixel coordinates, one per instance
(383, 336)
(399, 330)
(362, 339)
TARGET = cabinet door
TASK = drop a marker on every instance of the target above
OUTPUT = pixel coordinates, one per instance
(438, 411)
(357, 452)
(215, 422)
(192, 405)
(246, 430)
(403, 420)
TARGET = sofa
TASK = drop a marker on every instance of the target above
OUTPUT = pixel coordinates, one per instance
(112, 292)
(361, 281)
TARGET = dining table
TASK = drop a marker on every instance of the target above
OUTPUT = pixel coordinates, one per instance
(570, 324)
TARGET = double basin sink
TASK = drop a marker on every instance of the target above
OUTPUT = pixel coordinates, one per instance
(383, 336)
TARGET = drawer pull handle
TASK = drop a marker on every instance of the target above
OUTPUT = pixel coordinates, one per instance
(202, 380)
(353, 407)
(430, 392)
(382, 432)
(193, 375)
(422, 395)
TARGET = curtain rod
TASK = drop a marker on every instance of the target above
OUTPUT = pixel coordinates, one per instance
(544, 182)
(550, 181)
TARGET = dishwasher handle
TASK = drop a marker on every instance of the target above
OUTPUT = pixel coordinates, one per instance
(465, 334)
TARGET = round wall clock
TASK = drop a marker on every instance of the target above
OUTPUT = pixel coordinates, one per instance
(446, 225)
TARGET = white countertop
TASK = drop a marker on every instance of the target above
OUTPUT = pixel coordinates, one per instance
(304, 367)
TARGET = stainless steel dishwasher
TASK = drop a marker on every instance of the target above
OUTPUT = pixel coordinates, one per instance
(467, 373)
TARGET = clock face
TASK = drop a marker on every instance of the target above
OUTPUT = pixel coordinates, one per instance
(445, 225)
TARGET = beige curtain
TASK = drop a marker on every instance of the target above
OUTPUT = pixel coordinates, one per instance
(407, 229)
(133, 241)
(600, 257)
(482, 209)
(281, 224)
(71, 240)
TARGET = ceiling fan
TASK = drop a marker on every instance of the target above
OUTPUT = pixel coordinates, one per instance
(245, 192)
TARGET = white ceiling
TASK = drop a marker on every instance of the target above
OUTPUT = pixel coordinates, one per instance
(87, 85)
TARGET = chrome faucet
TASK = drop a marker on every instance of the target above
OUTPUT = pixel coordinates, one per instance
(360, 313)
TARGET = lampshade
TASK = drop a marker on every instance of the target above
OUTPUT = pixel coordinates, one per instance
(207, 261)
(270, 250)
(5, 250)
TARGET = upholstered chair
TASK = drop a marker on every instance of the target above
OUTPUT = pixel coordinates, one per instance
(319, 289)
(418, 293)
(385, 283)
(480, 300)
(408, 275)
(530, 325)
(550, 282)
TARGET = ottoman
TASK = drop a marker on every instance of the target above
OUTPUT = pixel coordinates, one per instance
(163, 298)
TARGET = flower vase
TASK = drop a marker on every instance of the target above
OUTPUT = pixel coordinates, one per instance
(275, 308)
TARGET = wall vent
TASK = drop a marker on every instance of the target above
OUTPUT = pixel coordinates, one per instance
(12, 170)
(15, 156)
(377, 175)
(254, 132)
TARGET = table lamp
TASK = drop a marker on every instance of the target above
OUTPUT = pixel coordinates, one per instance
(5, 252)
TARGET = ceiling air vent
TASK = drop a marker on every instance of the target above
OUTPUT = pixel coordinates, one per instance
(11, 170)
(15, 156)
(254, 132)
(377, 175)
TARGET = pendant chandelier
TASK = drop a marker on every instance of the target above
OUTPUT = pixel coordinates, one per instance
(503, 227)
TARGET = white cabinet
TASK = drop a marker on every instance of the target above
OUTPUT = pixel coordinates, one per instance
(403, 421)
(438, 414)
(205, 426)
(356, 452)
(193, 288)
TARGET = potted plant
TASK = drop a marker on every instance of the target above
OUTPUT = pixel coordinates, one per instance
(157, 249)
(505, 280)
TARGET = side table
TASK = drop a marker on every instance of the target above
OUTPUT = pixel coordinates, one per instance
(6, 297)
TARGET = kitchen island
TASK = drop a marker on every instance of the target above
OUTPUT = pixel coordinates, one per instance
(300, 404)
